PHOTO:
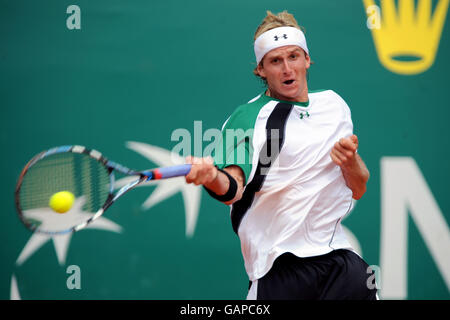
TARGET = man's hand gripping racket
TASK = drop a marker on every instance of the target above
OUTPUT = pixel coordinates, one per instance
(66, 188)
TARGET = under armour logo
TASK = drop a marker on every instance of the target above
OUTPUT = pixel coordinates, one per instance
(283, 36)
(302, 115)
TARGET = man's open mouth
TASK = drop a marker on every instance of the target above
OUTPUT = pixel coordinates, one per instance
(288, 82)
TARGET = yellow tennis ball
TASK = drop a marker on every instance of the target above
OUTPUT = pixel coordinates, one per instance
(61, 202)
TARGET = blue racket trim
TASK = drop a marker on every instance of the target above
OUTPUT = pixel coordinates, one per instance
(58, 150)
(120, 168)
(175, 171)
(168, 172)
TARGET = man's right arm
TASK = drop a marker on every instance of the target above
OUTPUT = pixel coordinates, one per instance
(203, 172)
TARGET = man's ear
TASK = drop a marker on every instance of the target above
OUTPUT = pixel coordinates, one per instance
(308, 60)
(261, 71)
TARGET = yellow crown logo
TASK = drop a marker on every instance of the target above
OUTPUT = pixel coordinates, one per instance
(406, 39)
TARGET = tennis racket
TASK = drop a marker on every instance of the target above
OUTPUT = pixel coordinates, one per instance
(85, 174)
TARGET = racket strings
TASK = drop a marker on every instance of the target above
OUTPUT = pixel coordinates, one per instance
(86, 178)
(46, 177)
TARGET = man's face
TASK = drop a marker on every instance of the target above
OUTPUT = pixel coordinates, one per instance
(285, 71)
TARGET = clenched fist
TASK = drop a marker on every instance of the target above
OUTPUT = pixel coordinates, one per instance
(203, 171)
(353, 167)
(343, 152)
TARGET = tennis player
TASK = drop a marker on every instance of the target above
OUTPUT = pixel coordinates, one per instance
(288, 168)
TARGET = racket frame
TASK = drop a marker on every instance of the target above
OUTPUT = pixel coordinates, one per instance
(111, 166)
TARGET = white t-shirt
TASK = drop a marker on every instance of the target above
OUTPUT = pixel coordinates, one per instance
(303, 197)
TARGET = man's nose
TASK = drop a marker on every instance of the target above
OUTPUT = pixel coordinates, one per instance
(286, 66)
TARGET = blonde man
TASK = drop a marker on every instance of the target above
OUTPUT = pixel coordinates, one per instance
(289, 168)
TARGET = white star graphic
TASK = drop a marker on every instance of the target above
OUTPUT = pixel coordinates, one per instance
(53, 221)
(165, 189)
(61, 242)
(168, 187)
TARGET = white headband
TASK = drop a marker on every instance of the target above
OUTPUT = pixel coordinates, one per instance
(279, 37)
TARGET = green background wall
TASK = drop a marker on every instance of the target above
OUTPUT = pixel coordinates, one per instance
(138, 70)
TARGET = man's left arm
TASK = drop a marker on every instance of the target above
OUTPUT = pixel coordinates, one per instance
(353, 167)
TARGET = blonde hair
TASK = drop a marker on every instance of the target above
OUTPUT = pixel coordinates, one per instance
(272, 21)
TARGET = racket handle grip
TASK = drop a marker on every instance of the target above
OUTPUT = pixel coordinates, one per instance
(170, 172)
